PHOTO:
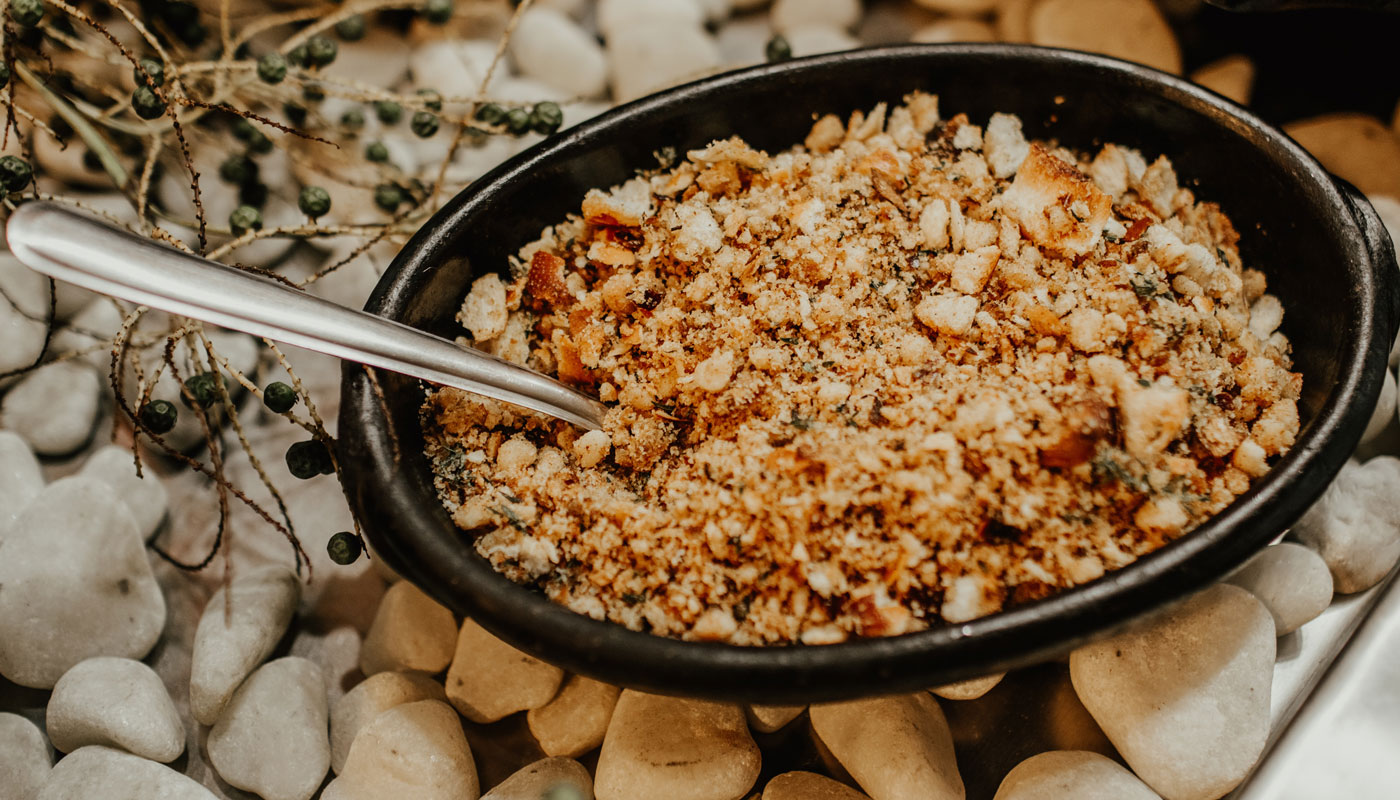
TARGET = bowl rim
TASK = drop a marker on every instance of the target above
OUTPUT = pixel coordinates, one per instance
(389, 506)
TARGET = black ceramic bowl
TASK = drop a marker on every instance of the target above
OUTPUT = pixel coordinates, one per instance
(1326, 255)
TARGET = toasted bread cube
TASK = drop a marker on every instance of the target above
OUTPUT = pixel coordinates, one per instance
(1057, 206)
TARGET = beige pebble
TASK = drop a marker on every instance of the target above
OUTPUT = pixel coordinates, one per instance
(1130, 29)
(1013, 21)
(960, 7)
(115, 702)
(767, 719)
(544, 780)
(808, 786)
(789, 15)
(1232, 76)
(410, 633)
(416, 750)
(102, 773)
(370, 698)
(969, 689)
(575, 721)
(236, 633)
(489, 679)
(25, 758)
(1356, 147)
(896, 748)
(955, 30)
(675, 748)
(1077, 774)
(1291, 580)
(271, 737)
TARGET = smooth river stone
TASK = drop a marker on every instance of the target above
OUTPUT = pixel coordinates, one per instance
(24, 758)
(90, 773)
(550, 47)
(969, 689)
(1076, 774)
(576, 720)
(410, 633)
(90, 332)
(897, 748)
(544, 780)
(675, 748)
(54, 407)
(489, 679)
(115, 702)
(808, 786)
(1291, 581)
(24, 307)
(271, 739)
(1355, 525)
(370, 698)
(76, 584)
(20, 478)
(414, 750)
(649, 56)
(144, 495)
(236, 635)
(768, 719)
(1185, 697)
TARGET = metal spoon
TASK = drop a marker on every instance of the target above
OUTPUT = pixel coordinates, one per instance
(74, 247)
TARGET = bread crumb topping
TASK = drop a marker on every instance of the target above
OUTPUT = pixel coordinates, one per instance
(907, 373)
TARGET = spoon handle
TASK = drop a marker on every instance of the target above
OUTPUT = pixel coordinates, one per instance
(73, 247)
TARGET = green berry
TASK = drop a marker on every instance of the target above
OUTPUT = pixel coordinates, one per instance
(149, 68)
(432, 100)
(238, 170)
(389, 196)
(253, 194)
(388, 111)
(353, 118)
(259, 143)
(491, 114)
(321, 50)
(243, 130)
(313, 93)
(518, 121)
(351, 29)
(147, 103)
(546, 118)
(204, 388)
(377, 152)
(314, 201)
(244, 219)
(15, 173)
(424, 124)
(279, 397)
(437, 12)
(296, 113)
(344, 548)
(27, 12)
(299, 56)
(159, 416)
(4, 73)
(308, 459)
(777, 49)
(272, 68)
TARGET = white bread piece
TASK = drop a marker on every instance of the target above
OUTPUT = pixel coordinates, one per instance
(1057, 206)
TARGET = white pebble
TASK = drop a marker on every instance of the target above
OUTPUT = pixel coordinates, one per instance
(808, 786)
(271, 738)
(379, 59)
(675, 748)
(955, 30)
(236, 633)
(489, 679)
(54, 407)
(410, 632)
(24, 307)
(1185, 697)
(575, 721)
(90, 332)
(644, 57)
(115, 702)
(1384, 412)
(1077, 774)
(969, 689)
(144, 495)
(1355, 525)
(1291, 581)
(20, 478)
(615, 16)
(897, 748)
(455, 68)
(744, 41)
(542, 778)
(550, 47)
(811, 40)
(24, 758)
(76, 584)
(370, 698)
(789, 15)
(416, 750)
(101, 772)
(767, 719)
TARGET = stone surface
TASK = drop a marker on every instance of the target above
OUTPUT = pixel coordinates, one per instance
(1355, 525)
(24, 306)
(24, 758)
(808, 786)
(1074, 774)
(90, 332)
(1355, 147)
(372, 697)
(1232, 76)
(540, 779)
(1384, 413)
(489, 679)
(575, 721)
(550, 47)
(410, 632)
(101, 772)
(955, 30)
(896, 748)
(1130, 29)
(675, 748)
(767, 719)
(20, 478)
(271, 739)
(54, 407)
(1291, 581)
(414, 750)
(969, 689)
(76, 584)
(614, 16)
(236, 633)
(789, 15)
(144, 495)
(1185, 696)
(811, 40)
(115, 702)
(648, 56)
